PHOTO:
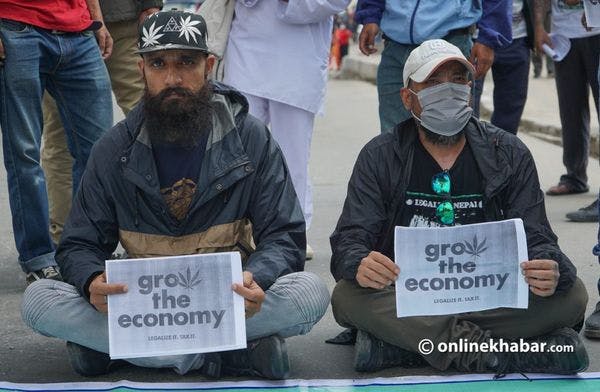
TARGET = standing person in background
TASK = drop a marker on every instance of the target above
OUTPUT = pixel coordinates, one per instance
(407, 24)
(277, 56)
(121, 18)
(575, 75)
(510, 72)
(343, 35)
(48, 46)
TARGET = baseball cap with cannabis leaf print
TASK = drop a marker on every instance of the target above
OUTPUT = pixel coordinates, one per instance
(172, 29)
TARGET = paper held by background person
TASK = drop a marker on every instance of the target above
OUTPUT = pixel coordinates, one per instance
(592, 12)
(560, 47)
(176, 305)
(447, 270)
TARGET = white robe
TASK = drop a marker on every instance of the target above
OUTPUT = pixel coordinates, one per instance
(280, 51)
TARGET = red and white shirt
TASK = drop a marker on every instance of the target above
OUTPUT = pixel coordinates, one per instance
(62, 15)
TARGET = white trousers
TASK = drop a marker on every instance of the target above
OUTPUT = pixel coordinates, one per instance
(292, 128)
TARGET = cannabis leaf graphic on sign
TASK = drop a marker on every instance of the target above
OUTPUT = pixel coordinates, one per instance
(151, 36)
(188, 29)
(475, 248)
(188, 281)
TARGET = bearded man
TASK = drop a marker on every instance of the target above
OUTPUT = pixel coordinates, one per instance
(188, 171)
(397, 181)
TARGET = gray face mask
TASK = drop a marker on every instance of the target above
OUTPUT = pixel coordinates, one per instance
(446, 108)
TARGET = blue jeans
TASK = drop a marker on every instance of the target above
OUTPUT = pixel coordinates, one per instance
(70, 68)
(510, 72)
(389, 78)
(293, 304)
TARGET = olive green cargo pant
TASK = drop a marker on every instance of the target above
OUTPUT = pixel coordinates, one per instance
(374, 311)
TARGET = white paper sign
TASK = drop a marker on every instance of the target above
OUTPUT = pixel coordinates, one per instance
(447, 270)
(592, 12)
(175, 305)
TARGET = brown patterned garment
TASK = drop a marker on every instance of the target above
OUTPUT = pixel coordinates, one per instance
(179, 197)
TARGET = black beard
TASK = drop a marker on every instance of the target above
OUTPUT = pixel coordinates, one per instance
(441, 140)
(180, 121)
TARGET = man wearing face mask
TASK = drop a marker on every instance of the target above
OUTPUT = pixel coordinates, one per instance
(492, 177)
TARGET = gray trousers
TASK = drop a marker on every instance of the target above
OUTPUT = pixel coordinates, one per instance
(374, 311)
(577, 71)
(292, 305)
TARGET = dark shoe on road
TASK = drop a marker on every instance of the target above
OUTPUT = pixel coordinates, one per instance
(591, 327)
(564, 189)
(570, 356)
(51, 272)
(88, 362)
(585, 214)
(266, 357)
(345, 338)
(372, 354)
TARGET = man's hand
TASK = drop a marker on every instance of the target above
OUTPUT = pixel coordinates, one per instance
(376, 271)
(105, 42)
(366, 39)
(99, 290)
(482, 57)
(146, 12)
(252, 293)
(584, 23)
(541, 38)
(541, 276)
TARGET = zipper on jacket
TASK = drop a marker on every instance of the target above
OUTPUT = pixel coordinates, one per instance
(412, 23)
(136, 213)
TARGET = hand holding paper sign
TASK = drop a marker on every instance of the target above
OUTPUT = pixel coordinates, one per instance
(376, 271)
(252, 293)
(99, 289)
(541, 276)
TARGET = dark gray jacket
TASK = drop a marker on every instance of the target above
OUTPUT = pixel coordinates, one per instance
(377, 188)
(122, 10)
(245, 201)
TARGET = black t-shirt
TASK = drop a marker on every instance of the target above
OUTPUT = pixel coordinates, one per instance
(178, 170)
(466, 190)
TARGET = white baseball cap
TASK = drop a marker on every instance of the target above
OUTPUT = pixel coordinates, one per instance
(428, 56)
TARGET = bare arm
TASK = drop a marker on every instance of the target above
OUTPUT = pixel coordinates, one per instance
(105, 41)
(540, 10)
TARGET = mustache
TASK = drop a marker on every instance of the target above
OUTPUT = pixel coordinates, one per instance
(181, 91)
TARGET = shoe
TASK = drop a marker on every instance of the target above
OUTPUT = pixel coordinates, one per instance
(546, 361)
(372, 354)
(550, 74)
(591, 327)
(51, 272)
(345, 338)
(585, 214)
(88, 362)
(310, 253)
(536, 73)
(564, 189)
(212, 366)
(266, 357)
